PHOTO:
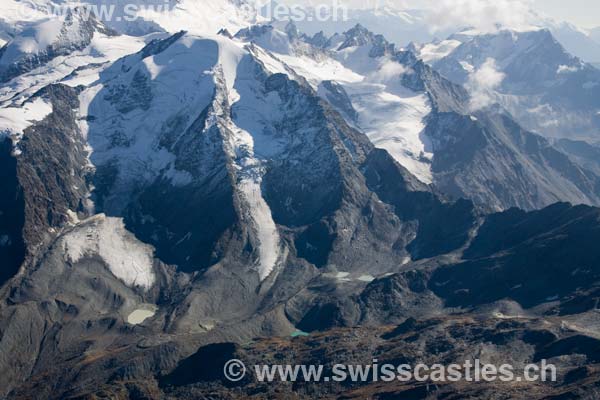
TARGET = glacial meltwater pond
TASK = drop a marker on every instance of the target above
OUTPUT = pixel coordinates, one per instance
(142, 313)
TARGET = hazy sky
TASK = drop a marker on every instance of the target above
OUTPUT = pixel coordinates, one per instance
(584, 13)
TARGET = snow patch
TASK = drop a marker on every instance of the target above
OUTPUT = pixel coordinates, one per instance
(366, 278)
(347, 277)
(338, 276)
(14, 120)
(127, 258)
(467, 67)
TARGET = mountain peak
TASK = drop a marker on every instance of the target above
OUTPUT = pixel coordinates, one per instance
(357, 36)
(254, 31)
(292, 30)
(225, 32)
(318, 40)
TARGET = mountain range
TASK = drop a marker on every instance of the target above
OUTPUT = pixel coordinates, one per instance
(403, 26)
(174, 198)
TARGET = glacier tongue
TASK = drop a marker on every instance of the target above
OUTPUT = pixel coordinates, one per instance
(390, 114)
(260, 214)
(250, 151)
(257, 213)
(395, 123)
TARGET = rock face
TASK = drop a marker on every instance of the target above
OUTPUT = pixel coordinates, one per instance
(52, 186)
(563, 237)
(482, 157)
(224, 191)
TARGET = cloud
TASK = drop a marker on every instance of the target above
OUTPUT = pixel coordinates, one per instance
(482, 83)
(388, 71)
(483, 15)
(564, 69)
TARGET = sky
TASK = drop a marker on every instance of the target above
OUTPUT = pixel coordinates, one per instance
(582, 13)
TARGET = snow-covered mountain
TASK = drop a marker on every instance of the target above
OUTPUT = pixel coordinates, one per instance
(546, 88)
(399, 26)
(422, 26)
(136, 17)
(576, 41)
(48, 39)
(360, 88)
(178, 146)
(361, 73)
(164, 189)
(420, 119)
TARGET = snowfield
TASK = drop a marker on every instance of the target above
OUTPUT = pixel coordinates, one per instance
(395, 123)
(78, 68)
(14, 120)
(127, 258)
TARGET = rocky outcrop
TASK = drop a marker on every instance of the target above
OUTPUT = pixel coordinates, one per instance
(52, 168)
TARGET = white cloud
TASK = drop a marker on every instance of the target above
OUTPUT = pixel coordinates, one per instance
(564, 69)
(482, 15)
(388, 71)
(482, 83)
